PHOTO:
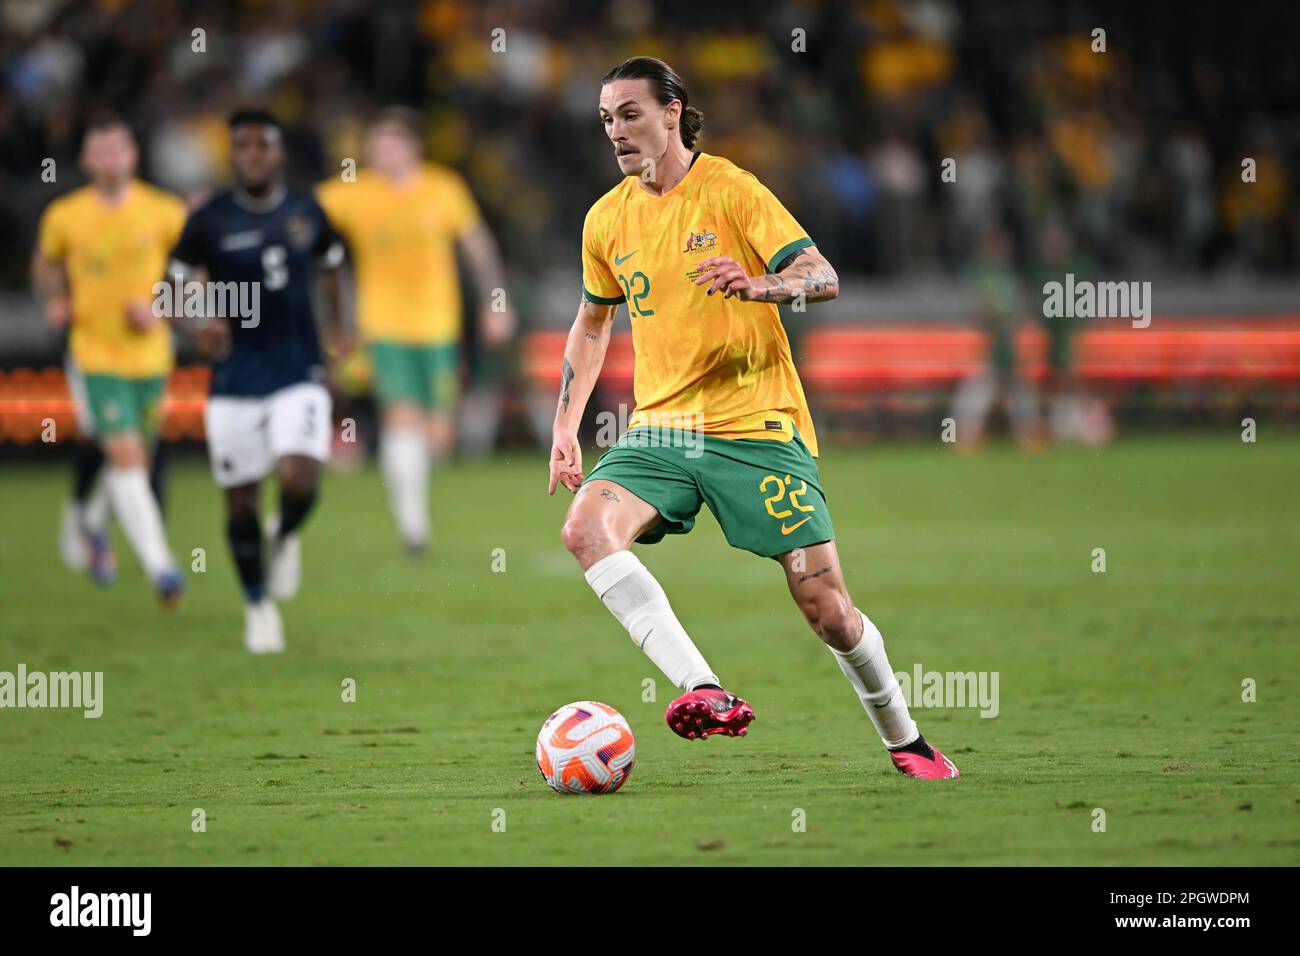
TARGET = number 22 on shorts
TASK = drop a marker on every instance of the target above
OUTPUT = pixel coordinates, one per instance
(793, 498)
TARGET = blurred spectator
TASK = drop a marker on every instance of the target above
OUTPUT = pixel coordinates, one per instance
(1137, 149)
(1072, 415)
(1000, 382)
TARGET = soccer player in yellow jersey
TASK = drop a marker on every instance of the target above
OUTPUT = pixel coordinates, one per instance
(99, 252)
(403, 219)
(702, 253)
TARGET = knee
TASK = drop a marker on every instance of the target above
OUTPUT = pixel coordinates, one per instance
(297, 482)
(404, 416)
(587, 539)
(299, 487)
(832, 617)
(125, 451)
(241, 505)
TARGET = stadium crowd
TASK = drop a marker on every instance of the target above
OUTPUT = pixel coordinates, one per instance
(847, 110)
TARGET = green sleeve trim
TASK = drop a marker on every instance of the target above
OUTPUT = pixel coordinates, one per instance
(601, 300)
(785, 251)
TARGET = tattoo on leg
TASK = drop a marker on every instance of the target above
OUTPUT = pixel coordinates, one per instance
(814, 574)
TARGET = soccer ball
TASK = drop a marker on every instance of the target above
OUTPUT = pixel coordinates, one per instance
(586, 747)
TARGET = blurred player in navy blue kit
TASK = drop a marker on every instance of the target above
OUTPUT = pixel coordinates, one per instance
(269, 409)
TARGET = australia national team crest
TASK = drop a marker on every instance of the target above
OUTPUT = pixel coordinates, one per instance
(702, 241)
(699, 243)
(301, 231)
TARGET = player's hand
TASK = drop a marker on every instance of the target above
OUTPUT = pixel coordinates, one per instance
(58, 311)
(213, 339)
(497, 328)
(139, 315)
(726, 275)
(339, 344)
(566, 462)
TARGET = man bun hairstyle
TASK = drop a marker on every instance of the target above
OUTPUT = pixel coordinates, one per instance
(666, 86)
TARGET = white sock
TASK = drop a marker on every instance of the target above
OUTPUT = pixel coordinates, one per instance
(94, 513)
(867, 668)
(137, 513)
(633, 596)
(404, 459)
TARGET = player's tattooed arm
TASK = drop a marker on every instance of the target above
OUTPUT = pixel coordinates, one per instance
(804, 274)
(584, 355)
(566, 376)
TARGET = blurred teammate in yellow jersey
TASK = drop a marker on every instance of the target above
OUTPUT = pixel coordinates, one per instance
(701, 253)
(403, 220)
(99, 252)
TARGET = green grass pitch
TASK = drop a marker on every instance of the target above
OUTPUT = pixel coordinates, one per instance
(1119, 690)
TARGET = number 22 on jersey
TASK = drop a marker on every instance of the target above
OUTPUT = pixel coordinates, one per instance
(635, 291)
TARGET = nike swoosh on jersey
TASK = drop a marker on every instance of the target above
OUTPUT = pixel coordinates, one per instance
(785, 530)
(618, 261)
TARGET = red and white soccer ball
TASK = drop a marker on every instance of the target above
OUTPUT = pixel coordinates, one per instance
(586, 747)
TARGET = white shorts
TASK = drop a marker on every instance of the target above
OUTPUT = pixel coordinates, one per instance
(246, 436)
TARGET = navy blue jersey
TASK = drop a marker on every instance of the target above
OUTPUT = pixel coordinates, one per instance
(279, 249)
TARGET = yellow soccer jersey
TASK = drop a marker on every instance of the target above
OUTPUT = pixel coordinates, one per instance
(723, 364)
(402, 240)
(114, 255)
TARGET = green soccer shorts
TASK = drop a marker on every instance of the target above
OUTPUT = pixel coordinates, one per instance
(766, 494)
(424, 375)
(119, 404)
